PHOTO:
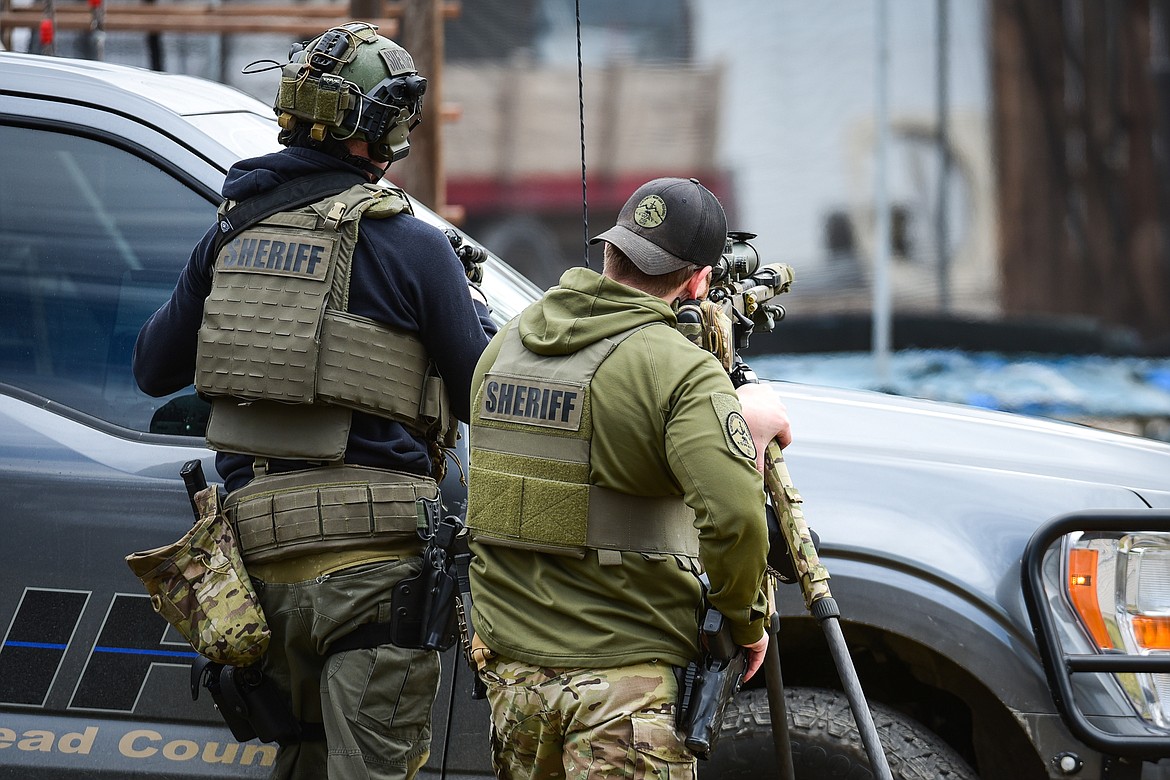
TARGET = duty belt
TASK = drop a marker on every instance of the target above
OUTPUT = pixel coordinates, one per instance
(330, 508)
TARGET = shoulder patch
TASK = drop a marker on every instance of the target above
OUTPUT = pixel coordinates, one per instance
(739, 435)
(735, 428)
(389, 203)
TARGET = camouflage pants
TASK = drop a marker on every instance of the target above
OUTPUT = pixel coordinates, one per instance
(584, 723)
(375, 703)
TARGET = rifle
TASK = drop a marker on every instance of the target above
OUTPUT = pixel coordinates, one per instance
(740, 300)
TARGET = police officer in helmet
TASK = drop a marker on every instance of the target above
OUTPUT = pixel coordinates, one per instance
(334, 334)
(611, 462)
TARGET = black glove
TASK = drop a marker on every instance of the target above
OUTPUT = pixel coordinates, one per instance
(472, 257)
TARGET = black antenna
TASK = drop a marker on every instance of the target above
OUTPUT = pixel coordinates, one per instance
(581, 102)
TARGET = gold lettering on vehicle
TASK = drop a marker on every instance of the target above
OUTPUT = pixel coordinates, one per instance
(138, 744)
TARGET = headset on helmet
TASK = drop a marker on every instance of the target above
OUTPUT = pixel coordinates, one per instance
(352, 83)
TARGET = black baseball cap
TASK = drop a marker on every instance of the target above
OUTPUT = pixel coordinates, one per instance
(669, 224)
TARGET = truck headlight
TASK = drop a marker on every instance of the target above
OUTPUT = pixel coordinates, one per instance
(1119, 587)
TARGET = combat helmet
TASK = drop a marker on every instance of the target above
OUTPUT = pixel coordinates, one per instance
(351, 82)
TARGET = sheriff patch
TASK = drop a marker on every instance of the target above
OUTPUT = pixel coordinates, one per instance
(263, 251)
(532, 402)
(735, 427)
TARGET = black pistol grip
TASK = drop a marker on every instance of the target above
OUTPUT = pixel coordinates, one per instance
(717, 635)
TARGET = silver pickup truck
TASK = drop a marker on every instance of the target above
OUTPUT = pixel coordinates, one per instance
(1004, 581)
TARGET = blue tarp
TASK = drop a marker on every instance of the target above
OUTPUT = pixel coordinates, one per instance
(1064, 387)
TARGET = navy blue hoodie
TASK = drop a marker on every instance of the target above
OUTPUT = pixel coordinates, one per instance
(405, 275)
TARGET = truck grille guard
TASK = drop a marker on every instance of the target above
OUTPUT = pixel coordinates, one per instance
(1061, 666)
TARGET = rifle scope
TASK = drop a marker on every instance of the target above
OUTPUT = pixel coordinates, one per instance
(739, 261)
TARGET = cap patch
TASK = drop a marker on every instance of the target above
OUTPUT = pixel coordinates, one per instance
(650, 212)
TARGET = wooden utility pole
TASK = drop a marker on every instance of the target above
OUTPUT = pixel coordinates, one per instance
(1082, 228)
(1027, 142)
(419, 30)
(422, 173)
(421, 34)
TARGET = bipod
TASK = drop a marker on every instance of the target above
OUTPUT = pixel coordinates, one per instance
(813, 577)
(777, 707)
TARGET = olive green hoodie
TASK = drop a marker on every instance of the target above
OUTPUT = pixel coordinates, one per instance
(660, 407)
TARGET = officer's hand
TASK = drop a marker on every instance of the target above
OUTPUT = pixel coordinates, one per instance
(766, 416)
(470, 255)
(755, 656)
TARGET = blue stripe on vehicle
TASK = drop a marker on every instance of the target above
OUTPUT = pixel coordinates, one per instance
(138, 651)
(37, 645)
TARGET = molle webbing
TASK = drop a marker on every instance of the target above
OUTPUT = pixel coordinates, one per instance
(365, 365)
(331, 508)
(276, 329)
(531, 469)
(361, 366)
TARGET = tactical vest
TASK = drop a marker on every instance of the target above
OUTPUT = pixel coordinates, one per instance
(532, 428)
(281, 358)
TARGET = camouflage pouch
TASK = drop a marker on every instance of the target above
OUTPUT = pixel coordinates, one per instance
(200, 586)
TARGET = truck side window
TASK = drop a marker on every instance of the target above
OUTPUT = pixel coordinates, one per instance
(92, 238)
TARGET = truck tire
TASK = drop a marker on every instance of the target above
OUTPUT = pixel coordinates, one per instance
(825, 741)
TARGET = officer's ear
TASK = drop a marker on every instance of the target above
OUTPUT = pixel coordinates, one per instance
(699, 284)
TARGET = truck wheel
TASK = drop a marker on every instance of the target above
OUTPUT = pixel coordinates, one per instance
(825, 741)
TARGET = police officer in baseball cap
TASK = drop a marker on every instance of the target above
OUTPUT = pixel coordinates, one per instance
(608, 464)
